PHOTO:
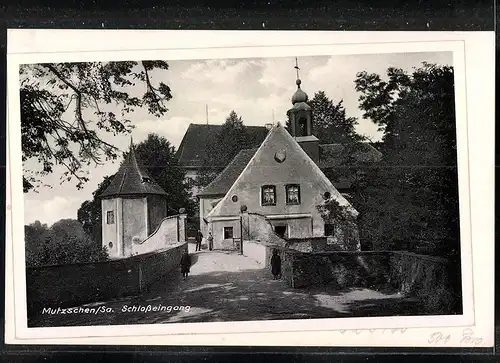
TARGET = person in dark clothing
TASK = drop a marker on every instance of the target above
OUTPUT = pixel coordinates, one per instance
(198, 239)
(210, 240)
(185, 264)
(276, 265)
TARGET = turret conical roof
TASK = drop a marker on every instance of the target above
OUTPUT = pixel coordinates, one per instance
(132, 179)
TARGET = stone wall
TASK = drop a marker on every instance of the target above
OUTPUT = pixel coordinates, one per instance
(435, 281)
(341, 269)
(315, 244)
(171, 231)
(76, 284)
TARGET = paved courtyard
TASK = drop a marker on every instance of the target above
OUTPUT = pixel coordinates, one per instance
(225, 286)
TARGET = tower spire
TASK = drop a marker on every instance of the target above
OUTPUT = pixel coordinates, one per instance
(297, 69)
(131, 142)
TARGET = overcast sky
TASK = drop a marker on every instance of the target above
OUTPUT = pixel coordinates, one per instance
(255, 88)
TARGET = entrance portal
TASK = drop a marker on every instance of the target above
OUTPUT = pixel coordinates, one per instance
(280, 231)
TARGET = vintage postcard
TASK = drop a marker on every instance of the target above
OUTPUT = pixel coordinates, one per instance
(210, 184)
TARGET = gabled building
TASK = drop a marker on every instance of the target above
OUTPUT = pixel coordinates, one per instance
(282, 183)
(133, 206)
(284, 179)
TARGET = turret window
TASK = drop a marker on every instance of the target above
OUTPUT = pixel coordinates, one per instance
(269, 195)
(292, 194)
(110, 217)
(303, 126)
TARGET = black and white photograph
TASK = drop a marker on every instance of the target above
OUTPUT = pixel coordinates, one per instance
(256, 189)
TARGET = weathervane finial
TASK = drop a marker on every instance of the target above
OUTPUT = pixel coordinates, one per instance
(297, 67)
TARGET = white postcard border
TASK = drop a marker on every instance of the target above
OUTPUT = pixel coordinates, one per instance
(256, 326)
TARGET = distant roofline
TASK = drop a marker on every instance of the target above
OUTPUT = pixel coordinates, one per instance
(193, 163)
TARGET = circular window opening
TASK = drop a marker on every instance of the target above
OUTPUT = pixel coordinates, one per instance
(110, 244)
(234, 198)
(327, 195)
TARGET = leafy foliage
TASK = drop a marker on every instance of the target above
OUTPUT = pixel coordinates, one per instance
(90, 212)
(205, 176)
(233, 138)
(330, 122)
(411, 200)
(331, 210)
(66, 106)
(65, 242)
(158, 156)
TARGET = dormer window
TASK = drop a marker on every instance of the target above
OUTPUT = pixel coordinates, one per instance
(268, 195)
(292, 194)
(146, 179)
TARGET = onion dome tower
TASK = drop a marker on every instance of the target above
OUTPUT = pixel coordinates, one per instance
(300, 117)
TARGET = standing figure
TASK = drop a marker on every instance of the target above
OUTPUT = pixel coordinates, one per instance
(198, 239)
(210, 241)
(185, 264)
(276, 265)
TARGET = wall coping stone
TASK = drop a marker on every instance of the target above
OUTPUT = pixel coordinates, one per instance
(157, 228)
(118, 261)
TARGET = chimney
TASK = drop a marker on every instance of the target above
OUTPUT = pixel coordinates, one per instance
(269, 126)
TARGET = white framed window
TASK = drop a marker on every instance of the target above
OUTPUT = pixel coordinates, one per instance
(110, 217)
(292, 194)
(268, 195)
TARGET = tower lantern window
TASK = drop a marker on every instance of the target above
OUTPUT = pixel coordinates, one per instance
(303, 126)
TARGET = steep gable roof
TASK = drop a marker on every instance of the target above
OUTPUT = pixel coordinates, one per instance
(221, 184)
(331, 155)
(298, 162)
(132, 179)
(198, 139)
